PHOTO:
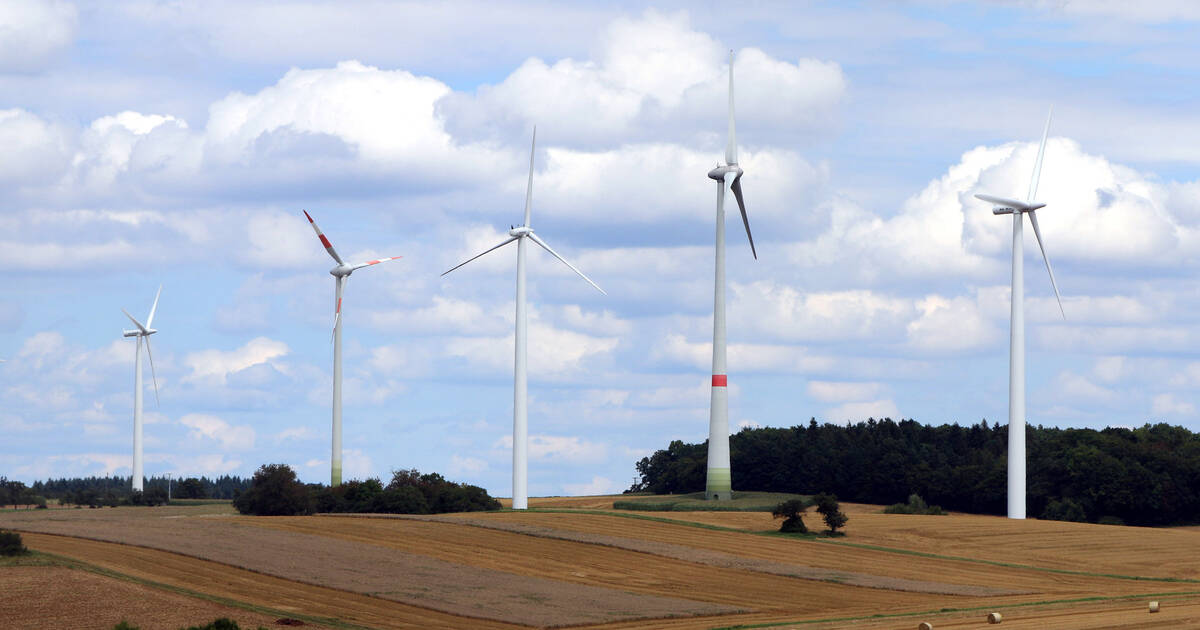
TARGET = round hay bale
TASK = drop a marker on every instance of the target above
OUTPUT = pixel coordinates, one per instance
(925, 625)
(1153, 607)
(995, 618)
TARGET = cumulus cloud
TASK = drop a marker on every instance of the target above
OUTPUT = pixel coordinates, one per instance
(34, 32)
(597, 486)
(861, 411)
(558, 448)
(230, 437)
(833, 391)
(217, 365)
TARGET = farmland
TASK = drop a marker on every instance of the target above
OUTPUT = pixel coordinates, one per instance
(575, 562)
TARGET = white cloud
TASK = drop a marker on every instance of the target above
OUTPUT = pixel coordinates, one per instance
(37, 152)
(552, 351)
(217, 366)
(598, 485)
(832, 391)
(33, 32)
(460, 465)
(559, 448)
(860, 411)
(951, 325)
(230, 437)
(1169, 405)
(296, 434)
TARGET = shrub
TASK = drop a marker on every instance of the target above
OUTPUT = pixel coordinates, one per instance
(11, 544)
(1064, 510)
(274, 491)
(125, 625)
(1111, 520)
(792, 513)
(915, 505)
(831, 511)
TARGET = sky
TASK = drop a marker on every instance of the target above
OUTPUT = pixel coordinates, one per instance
(176, 143)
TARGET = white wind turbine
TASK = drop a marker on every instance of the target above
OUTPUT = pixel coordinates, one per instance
(1016, 351)
(341, 273)
(520, 485)
(718, 485)
(142, 332)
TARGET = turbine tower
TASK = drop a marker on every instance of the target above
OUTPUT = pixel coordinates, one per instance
(142, 332)
(521, 233)
(729, 178)
(341, 273)
(1016, 350)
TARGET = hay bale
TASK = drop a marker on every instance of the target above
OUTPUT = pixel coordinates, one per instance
(1153, 607)
(925, 625)
(994, 618)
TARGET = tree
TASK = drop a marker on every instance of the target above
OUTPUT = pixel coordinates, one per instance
(11, 544)
(831, 511)
(792, 513)
(191, 488)
(274, 491)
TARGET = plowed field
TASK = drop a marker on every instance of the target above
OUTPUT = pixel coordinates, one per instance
(613, 570)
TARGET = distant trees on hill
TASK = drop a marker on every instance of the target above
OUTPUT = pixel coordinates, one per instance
(275, 490)
(118, 490)
(1144, 476)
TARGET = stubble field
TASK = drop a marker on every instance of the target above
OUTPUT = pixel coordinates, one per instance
(573, 562)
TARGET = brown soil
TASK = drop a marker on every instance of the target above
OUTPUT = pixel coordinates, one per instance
(51, 598)
(450, 585)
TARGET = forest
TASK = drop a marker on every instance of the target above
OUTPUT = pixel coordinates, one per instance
(1144, 476)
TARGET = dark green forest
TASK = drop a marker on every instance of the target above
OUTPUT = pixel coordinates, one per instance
(1144, 476)
(117, 490)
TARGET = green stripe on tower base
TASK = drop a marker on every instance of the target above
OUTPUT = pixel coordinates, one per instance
(719, 487)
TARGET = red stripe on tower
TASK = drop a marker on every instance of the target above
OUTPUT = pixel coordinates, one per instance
(720, 380)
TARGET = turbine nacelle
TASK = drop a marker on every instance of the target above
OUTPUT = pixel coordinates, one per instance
(1009, 206)
(520, 231)
(138, 333)
(719, 172)
(341, 271)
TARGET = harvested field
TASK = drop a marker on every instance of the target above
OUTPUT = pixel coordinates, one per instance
(52, 598)
(637, 572)
(388, 573)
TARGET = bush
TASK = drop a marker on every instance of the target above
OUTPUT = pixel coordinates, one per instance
(1064, 510)
(792, 513)
(274, 491)
(11, 544)
(915, 505)
(409, 492)
(1111, 520)
(831, 511)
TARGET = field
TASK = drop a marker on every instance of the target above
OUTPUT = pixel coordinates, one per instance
(575, 562)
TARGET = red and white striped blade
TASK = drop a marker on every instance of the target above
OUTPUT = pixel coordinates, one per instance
(324, 241)
(374, 262)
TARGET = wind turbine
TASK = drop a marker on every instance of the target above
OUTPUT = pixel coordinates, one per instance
(521, 233)
(341, 273)
(142, 332)
(729, 178)
(1016, 350)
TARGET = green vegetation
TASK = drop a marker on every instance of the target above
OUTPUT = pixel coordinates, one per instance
(11, 544)
(831, 512)
(15, 493)
(274, 491)
(792, 513)
(695, 502)
(917, 505)
(409, 492)
(1144, 476)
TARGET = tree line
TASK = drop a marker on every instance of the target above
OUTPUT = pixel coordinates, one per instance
(1144, 476)
(116, 490)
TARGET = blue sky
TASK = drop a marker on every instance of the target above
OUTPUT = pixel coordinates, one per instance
(176, 143)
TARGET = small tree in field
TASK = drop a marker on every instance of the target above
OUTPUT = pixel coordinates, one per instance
(11, 545)
(831, 511)
(792, 513)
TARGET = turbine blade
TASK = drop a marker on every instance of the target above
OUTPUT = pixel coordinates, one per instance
(152, 374)
(511, 239)
(1037, 166)
(324, 241)
(529, 186)
(340, 287)
(135, 322)
(150, 319)
(373, 262)
(1038, 233)
(564, 261)
(731, 148)
(736, 187)
(1019, 206)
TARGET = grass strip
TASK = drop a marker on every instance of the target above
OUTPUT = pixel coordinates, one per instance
(946, 611)
(907, 552)
(44, 559)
